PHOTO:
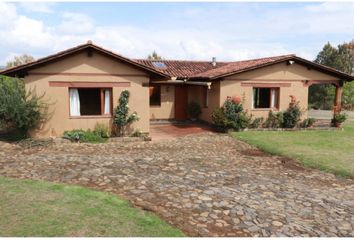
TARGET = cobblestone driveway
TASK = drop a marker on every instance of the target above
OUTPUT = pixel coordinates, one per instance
(206, 184)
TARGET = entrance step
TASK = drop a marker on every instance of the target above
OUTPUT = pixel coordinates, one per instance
(322, 123)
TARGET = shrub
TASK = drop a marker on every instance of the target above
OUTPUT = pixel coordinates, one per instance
(76, 135)
(256, 123)
(121, 116)
(230, 116)
(308, 122)
(339, 118)
(220, 121)
(137, 133)
(20, 110)
(194, 110)
(274, 120)
(102, 130)
(243, 121)
(292, 115)
(79, 135)
(91, 137)
(232, 109)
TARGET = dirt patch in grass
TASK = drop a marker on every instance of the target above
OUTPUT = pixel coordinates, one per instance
(253, 152)
(291, 164)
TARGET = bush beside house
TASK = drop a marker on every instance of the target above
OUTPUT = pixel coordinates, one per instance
(121, 116)
(231, 116)
(194, 110)
(20, 110)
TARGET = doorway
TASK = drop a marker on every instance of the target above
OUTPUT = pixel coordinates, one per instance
(181, 102)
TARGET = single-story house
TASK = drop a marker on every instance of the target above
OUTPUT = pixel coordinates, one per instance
(84, 83)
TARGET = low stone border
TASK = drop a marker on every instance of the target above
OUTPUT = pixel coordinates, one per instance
(129, 139)
(110, 140)
(292, 129)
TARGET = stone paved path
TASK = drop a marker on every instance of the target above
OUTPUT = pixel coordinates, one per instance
(205, 184)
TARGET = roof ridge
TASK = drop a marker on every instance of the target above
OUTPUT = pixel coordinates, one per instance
(262, 58)
(205, 61)
(175, 60)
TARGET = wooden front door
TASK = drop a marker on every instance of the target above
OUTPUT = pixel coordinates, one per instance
(181, 102)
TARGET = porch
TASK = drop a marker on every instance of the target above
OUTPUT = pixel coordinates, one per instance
(166, 130)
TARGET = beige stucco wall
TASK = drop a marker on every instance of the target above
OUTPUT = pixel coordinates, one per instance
(278, 73)
(167, 108)
(81, 63)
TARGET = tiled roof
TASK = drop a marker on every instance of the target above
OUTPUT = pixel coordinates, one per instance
(235, 67)
(205, 69)
(181, 69)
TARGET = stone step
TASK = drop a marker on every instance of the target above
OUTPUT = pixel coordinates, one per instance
(322, 123)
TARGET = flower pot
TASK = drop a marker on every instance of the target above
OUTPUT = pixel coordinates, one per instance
(337, 124)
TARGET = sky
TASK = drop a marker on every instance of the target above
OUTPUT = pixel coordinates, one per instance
(195, 31)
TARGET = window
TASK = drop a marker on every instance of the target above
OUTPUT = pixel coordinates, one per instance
(90, 101)
(155, 95)
(265, 97)
(205, 97)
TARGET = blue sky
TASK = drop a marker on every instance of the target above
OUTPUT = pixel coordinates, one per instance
(198, 31)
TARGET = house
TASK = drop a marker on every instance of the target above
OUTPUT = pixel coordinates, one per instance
(84, 83)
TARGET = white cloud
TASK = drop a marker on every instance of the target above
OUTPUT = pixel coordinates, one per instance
(30, 32)
(8, 15)
(40, 7)
(75, 23)
(237, 32)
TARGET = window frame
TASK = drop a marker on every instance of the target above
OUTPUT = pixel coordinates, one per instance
(102, 115)
(277, 107)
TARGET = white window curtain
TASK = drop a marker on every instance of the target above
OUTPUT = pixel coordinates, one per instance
(274, 97)
(107, 101)
(74, 102)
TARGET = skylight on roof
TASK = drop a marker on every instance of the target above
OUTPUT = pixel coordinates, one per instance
(159, 64)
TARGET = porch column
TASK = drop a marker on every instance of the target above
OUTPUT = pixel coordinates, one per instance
(338, 98)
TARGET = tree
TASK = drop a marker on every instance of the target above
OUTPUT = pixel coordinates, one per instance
(20, 110)
(154, 56)
(340, 58)
(121, 113)
(19, 60)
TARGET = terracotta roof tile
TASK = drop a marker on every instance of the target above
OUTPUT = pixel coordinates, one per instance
(204, 69)
(235, 67)
(181, 69)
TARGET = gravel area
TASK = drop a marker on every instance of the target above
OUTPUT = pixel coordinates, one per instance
(206, 184)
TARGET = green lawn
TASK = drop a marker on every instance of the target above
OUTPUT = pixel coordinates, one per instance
(34, 208)
(331, 151)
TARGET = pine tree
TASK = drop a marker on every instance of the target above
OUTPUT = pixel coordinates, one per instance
(154, 56)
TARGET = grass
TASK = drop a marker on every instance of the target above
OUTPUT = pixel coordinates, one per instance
(35, 208)
(330, 151)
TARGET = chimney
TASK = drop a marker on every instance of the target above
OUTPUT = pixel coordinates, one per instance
(213, 61)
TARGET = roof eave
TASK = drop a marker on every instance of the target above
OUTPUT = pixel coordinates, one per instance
(68, 52)
(323, 68)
